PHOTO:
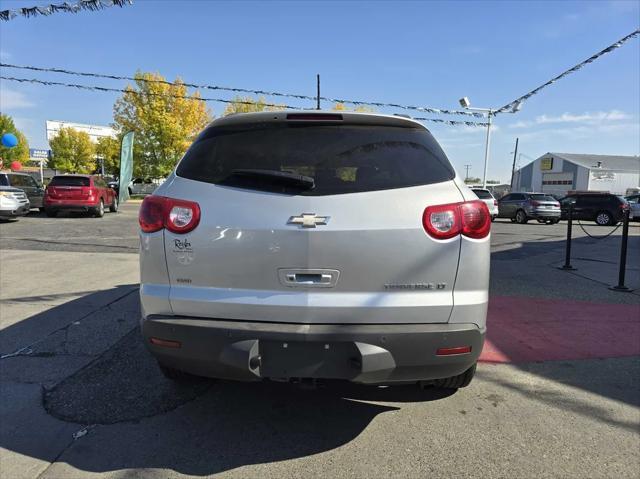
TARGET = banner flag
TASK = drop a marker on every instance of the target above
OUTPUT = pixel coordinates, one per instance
(126, 166)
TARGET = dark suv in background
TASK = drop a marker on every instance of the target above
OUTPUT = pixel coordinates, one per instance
(603, 208)
(521, 207)
(26, 183)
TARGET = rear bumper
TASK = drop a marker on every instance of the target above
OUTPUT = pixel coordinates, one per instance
(70, 204)
(548, 214)
(251, 351)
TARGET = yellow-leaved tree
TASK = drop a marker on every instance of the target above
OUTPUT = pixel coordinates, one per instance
(165, 119)
(20, 152)
(73, 152)
(108, 150)
(247, 104)
(360, 108)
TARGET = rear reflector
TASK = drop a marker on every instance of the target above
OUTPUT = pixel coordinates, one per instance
(315, 116)
(452, 351)
(165, 343)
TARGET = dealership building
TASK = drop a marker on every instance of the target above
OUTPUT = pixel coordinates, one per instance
(560, 173)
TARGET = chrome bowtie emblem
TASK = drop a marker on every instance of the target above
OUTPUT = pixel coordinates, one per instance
(308, 220)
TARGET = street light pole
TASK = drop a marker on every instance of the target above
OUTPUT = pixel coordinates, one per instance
(466, 104)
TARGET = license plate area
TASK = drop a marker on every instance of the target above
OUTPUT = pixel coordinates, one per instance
(297, 359)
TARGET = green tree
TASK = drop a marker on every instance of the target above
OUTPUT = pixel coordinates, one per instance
(248, 105)
(471, 180)
(20, 152)
(165, 119)
(108, 149)
(72, 151)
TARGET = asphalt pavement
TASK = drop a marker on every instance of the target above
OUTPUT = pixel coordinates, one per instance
(81, 397)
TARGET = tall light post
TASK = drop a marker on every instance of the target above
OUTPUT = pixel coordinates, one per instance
(466, 104)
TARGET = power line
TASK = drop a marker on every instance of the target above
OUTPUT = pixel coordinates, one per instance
(220, 100)
(46, 10)
(436, 111)
(119, 90)
(591, 59)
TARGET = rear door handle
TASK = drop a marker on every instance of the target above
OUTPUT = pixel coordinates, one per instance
(309, 278)
(306, 278)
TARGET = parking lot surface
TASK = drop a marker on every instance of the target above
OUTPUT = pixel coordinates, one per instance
(557, 393)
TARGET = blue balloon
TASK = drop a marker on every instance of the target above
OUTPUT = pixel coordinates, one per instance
(9, 140)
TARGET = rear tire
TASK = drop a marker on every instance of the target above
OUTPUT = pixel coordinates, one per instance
(98, 212)
(114, 205)
(521, 217)
(50, 213)
(459, 381)
(604, 218)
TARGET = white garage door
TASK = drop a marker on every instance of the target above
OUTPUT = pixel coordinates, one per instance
(557, 183)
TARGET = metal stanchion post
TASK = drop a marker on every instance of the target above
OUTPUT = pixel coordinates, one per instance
(623, 254)
(567, 259)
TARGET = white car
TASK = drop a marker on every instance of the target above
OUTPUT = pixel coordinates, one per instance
(13, 202)
(634, 205)
(486, 197)
(144, 186)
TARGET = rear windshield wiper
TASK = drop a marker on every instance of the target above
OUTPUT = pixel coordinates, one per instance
(306, 182)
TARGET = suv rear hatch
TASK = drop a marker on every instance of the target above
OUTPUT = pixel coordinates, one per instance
(69, 188)
(313, 221)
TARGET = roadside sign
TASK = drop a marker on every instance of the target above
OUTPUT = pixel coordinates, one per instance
(36, 154)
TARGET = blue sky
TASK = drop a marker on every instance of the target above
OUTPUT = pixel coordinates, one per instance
(419, 53)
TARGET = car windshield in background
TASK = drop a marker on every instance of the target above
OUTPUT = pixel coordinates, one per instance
(543, 198)
(483, 194)
(340, 159)
(69, 181)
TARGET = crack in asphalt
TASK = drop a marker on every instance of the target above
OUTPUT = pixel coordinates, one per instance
(70, 243)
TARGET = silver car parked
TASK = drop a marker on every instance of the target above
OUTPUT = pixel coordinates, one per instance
(521, 207)
(314, 245)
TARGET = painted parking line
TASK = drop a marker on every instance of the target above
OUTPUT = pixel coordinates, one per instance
(522, 329)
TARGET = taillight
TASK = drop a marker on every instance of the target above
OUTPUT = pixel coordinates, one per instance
(535, 203)
(470, 219)
(495, 202)
(178, 216)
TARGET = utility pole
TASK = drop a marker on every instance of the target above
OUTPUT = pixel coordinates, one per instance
(318, 93)
(466, 175)
(513, 168)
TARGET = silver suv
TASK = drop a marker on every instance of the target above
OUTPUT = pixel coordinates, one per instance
(315, 245)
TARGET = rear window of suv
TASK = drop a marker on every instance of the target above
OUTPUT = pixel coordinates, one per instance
(483, 194)
(69, 181)
(542, 198)
(340, 159)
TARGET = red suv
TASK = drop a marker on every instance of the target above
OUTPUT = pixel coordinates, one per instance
(79, 193)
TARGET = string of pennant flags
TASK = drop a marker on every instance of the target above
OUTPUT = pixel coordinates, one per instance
(220, 100)
(436, 111)
(591, 59)
(46, 10)
(509, 107)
